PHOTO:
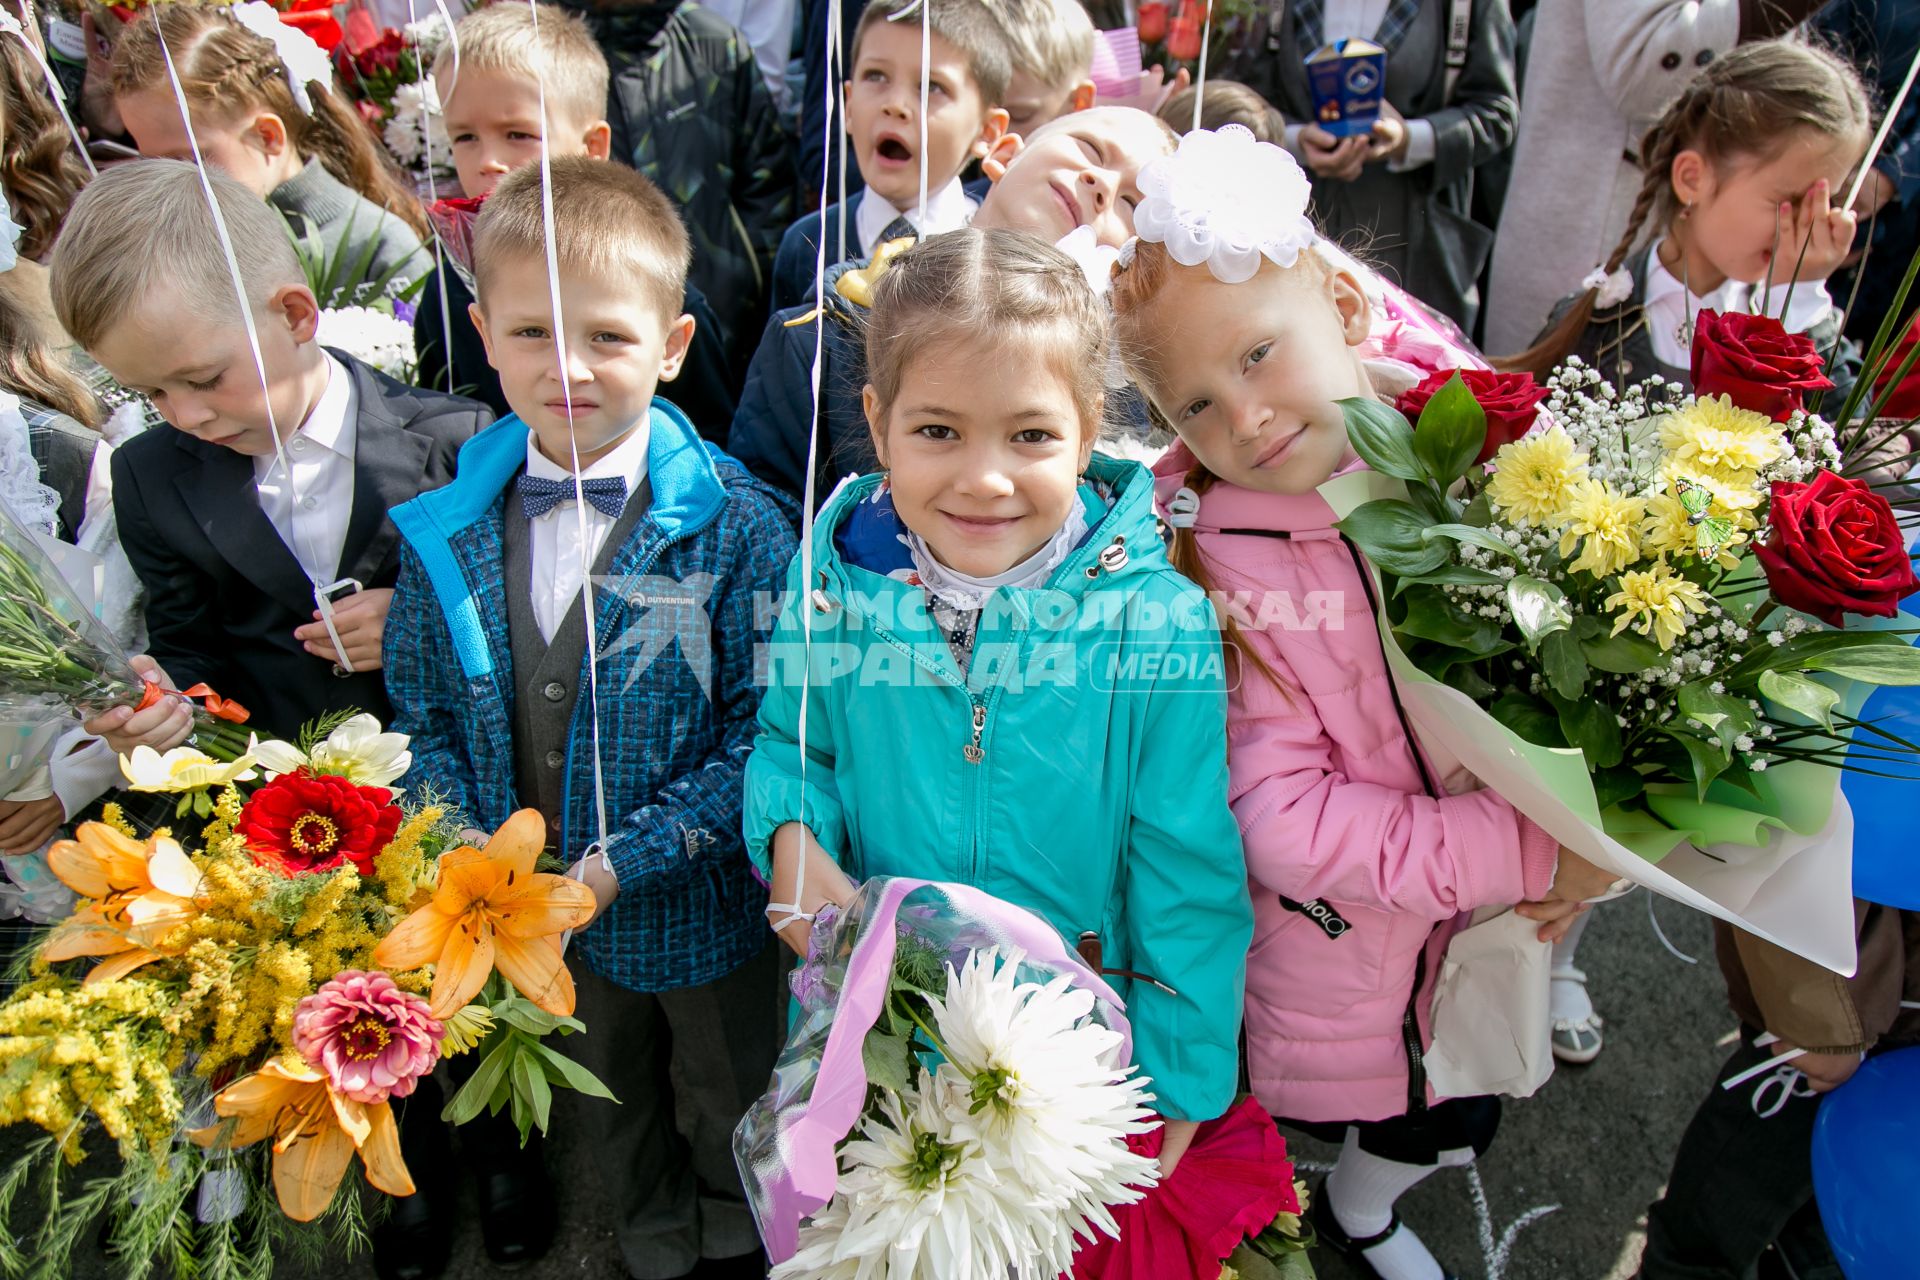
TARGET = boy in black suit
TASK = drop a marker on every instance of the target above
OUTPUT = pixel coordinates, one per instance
(232, 537)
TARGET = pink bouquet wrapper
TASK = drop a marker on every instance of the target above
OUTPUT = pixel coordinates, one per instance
(1116, 63)
(787, 1144)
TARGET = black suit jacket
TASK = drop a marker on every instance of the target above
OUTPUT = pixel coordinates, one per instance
(224, 593)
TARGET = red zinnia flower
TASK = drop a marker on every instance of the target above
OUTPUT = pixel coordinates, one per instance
(303, 822)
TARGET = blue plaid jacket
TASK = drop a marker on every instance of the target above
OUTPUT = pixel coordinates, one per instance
(685, 605)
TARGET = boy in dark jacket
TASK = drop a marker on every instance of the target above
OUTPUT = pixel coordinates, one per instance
(491, 672)
(690, 110)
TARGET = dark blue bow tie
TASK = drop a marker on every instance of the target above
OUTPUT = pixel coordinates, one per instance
(607, 495)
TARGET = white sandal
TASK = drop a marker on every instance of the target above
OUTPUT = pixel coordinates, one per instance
(1576, 1041)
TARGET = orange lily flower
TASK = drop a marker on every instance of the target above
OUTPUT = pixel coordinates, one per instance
(140, 893)
(315, 1134)
(491, 910)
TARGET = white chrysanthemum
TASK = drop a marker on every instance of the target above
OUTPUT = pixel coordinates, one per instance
(402, 132)
(916, 1200)
(357, 750)
(376, 337)
(1039, 1085)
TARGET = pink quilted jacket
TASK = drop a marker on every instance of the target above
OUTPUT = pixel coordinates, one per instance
(1358, 874)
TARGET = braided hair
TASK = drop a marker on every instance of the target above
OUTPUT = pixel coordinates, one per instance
(1745, 104)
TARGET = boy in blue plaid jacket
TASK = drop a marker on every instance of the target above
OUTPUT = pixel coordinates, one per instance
(488, 671)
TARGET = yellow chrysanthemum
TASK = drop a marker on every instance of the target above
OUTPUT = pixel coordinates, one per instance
(1606, 526)
(1657, 602)
(1711, 435)
(1535, 475)
(1668, 531)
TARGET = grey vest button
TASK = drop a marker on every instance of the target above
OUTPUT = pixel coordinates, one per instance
(555, 691)
(556, 759)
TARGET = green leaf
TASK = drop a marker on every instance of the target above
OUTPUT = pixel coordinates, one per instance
(478, 1091)
(1529, 717)
(1539, 608)
(1564, 665)
(1449, 575)
(530, 1083)
(1466, 679)
(1625, 654)
(1450, 432)
(1431, 616)
(1590, 726)
(1388, 532)
(1796, 692)
(526, 1016)
(1871, 664)
(1381, 436)
(1430, 502)
(1720, 714)
(564, 1071)
(1479, 512)
(1470, 534)
(1617, 785)
(1708, 757)
(886, 1059)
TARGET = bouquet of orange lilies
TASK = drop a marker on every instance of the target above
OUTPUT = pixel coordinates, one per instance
(261, 986)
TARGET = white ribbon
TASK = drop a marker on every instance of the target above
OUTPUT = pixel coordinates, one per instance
(303, 61)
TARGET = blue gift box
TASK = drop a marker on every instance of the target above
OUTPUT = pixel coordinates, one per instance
(1347, 77)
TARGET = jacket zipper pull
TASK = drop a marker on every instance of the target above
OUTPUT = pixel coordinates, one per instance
(972, 750)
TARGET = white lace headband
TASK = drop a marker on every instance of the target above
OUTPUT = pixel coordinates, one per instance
(303, 61)
(1226, 199)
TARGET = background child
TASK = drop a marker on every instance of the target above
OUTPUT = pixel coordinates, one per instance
(1091, 158)
(39, 168)
(492, 114)
(992, 495)
(1338, 807)
(1051, 44)
(228, 556)
(1226, 102)
(690, 110)
(967, 75)
(682, 984)
(1742, 170)
(322, 168)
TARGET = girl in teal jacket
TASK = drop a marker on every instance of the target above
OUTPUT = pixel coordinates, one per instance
(1007, 684)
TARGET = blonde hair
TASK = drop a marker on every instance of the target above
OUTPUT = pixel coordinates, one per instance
(563, 56)
(38, 165)
(968, 25)
(1010, 285)
(1050, 39)
(1227, 102)
(1746, 103)
(226, 69)
(143, 227)
(30, 369)
(607, 220)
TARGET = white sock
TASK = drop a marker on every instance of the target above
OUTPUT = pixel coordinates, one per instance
(1362, 1190)
(1567, 999)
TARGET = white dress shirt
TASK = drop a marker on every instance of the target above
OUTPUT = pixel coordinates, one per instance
(559, 557)
(1669, 307)
(1360, 20)
(312, 518)
(949, 208)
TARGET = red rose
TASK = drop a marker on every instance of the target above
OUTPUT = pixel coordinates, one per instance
(1511, 402)
(303, 822)
(1183, 41)
(1755, 362)
(1833, 547)
(1905, 400)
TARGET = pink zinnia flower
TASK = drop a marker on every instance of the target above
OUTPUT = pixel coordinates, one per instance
(373, 1040)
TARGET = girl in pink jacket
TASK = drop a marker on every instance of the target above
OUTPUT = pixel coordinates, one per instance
(1364, 850)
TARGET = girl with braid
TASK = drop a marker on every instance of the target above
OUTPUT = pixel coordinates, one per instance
(1743, 170)
(1737, 212)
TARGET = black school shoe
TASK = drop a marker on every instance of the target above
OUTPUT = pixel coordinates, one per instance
(1327, 1227)
(416, 1239)
(517, 1217)
(747, 1266)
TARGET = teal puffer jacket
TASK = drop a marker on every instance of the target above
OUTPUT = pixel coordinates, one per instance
(1078, 768)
